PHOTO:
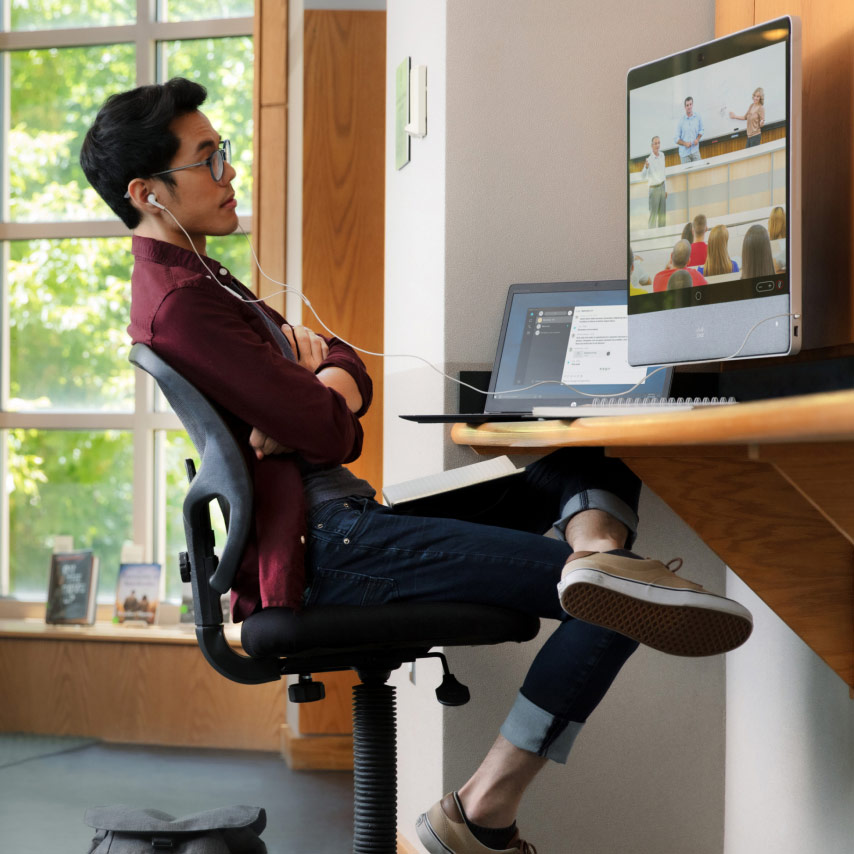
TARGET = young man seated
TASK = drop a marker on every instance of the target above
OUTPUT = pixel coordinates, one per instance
(293, 400)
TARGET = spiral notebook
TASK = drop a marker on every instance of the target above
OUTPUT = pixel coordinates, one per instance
(562, 353)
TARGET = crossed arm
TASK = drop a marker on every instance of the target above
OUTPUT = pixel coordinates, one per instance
(311, 350)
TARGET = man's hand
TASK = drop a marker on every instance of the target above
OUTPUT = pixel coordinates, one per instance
(312, 351)
(264, 446)
(309, 348)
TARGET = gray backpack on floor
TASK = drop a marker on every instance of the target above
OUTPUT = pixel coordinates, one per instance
(226, 830)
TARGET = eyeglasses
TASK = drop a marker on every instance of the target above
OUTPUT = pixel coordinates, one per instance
(216, 162)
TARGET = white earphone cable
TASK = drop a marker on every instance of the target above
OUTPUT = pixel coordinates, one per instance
(287, 289)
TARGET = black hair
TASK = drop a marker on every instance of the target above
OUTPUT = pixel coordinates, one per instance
(130, 138)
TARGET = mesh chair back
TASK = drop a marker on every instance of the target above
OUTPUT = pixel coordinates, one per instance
(223, 476)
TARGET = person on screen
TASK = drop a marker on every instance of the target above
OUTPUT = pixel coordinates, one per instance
(678, 261)
(756, 256)
(755, 117)
(639, 280)
(689, 131)
(699, 250)
(777, 233)
(653, 171)
(718, 262)
(679, 279)
(293, 401)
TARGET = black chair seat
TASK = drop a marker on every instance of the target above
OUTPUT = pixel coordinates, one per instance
(350, 628)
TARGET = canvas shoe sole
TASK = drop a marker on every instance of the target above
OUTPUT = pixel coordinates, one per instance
(643, 600)
(442, 830)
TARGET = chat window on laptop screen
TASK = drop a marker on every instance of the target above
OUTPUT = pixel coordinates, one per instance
(709, 141)
(565, 340)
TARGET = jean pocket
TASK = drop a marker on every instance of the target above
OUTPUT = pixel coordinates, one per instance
(338, 587)
(337, 520)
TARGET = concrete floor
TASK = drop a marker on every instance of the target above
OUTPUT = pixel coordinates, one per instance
(43, 799)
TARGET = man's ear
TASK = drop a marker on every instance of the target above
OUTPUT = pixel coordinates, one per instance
(138, 192)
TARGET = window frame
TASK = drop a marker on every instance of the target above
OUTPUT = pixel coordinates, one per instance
(144, 422)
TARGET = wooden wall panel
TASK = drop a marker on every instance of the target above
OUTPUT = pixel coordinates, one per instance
(344, 191)
(828, 156)
(733, 15)
(144, 693)
(343, 231)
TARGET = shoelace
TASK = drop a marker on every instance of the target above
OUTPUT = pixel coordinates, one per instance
(678, 561)
(526, 847)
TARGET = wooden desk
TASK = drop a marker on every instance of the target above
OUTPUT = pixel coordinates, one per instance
(769, 486)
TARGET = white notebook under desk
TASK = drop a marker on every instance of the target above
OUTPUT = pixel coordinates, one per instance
(630, 406)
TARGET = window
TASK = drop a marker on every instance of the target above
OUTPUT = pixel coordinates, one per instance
(86, 447)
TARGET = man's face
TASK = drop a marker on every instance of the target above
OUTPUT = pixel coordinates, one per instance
(204, 207)
(656, 145)
(689, 107)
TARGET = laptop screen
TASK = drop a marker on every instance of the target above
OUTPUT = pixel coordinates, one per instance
(563, 343)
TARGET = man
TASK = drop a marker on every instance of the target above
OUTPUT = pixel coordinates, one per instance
(678, 261)
(699, 248)
(293, 400)
(653, 171)
(689, 130)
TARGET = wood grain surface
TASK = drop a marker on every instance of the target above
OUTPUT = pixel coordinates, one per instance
(766, 485)
(137, 692)
(827, 177)
(344, 233)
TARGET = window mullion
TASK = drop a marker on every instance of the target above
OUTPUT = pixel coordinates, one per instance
(143, 463)
(146, 16)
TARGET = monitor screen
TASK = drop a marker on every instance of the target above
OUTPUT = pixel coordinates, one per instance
(711, 218)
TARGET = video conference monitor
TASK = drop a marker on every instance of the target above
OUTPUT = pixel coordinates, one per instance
(713, 210)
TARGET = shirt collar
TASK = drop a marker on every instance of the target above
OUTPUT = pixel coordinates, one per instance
(170, 255)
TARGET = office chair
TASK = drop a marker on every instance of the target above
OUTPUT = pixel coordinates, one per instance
(372, 640)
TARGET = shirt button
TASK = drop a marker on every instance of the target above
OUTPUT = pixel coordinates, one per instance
(302, 540)
(320, 524)
(223, 271)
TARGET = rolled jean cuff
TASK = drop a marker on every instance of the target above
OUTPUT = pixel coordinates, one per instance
(600, 499)
(531, 728)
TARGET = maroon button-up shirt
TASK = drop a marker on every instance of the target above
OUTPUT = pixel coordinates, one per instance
(224, 347)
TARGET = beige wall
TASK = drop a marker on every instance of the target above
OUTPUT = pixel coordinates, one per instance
(790, 743)
(521, 179)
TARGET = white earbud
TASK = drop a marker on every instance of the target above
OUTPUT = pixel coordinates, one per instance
(152, 200)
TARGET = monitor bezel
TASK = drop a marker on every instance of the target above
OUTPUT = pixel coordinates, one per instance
(701, 56)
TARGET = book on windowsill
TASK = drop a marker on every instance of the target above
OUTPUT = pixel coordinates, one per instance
(137, 593)
(457, 493)
(72, 589)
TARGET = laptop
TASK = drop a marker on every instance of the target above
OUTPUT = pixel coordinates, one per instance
(565, 345)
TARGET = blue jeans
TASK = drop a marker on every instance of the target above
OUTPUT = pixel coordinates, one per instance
(360, 552)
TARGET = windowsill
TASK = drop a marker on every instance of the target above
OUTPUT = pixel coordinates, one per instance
(26, 620)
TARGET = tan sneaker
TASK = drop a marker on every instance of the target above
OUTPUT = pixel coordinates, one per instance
(644, 600)
(443, 830)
